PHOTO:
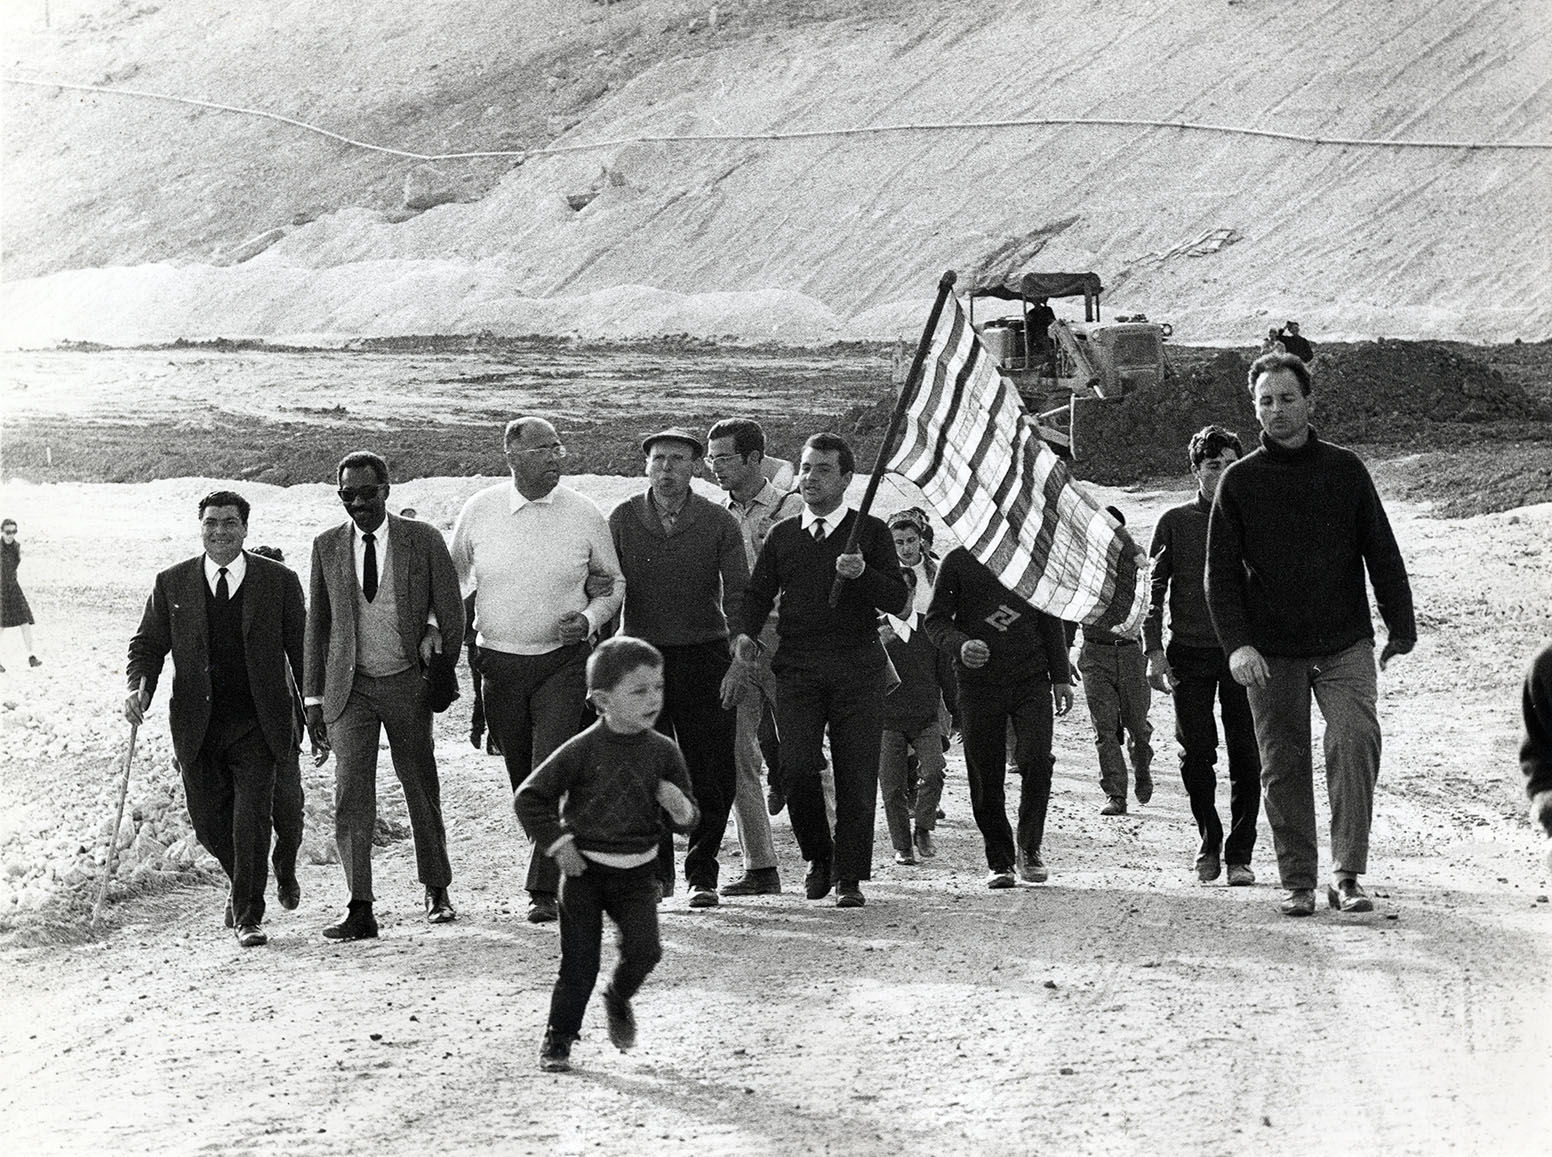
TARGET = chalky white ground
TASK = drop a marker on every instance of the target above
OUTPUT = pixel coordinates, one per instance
(1121, 1008)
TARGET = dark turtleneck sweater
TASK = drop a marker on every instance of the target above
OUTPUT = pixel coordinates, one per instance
(1288, 541)
(1179, 554)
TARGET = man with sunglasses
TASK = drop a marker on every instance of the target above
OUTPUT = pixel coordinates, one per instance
(384, 599)
(526, 549)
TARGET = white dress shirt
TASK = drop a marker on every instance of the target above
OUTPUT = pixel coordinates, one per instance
(235, 570)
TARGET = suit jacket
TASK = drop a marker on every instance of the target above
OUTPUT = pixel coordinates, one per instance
(424, 582)
(174, 622)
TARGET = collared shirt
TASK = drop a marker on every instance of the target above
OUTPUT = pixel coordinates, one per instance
(235, 570)
(831, 520)
(380, 545)
(668, 518)
(759, 514)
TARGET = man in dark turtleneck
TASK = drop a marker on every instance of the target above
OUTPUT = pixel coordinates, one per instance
(1294, 526)
(1196, 671)
(232, 623)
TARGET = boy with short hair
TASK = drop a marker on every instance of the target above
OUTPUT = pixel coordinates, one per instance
(595, 806)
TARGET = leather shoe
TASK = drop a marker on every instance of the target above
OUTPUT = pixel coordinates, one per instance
(704, 898)
(1116, 806)
(1299, 902)
(289, 892)
(849, 895)
(1240, 876)
(1347, 896)
(775, 800)
(251, 936)
(542, 910)
(755, 882)
(622, 1021)
(1032, 869)
(358, 924)
(907, 858)
(817, 883)
(1144, 787)
(1208, 867)
(925, 847)
(439, 909)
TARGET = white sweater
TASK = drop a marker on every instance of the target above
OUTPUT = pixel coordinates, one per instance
(527, 562)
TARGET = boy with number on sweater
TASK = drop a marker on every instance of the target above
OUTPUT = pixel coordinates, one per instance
(595, 807)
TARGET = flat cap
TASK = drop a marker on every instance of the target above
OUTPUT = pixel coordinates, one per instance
(676, 434)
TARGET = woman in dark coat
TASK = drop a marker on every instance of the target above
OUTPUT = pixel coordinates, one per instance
(14, 611)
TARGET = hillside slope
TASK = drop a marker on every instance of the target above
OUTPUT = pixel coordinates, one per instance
(125, 219)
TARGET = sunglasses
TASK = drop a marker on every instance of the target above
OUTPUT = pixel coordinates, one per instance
(351, 493)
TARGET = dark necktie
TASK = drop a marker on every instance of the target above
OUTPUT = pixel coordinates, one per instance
(223, 592)
(369, 568)
(819, 530)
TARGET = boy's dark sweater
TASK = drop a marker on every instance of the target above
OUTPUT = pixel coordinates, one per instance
(969, 603)
(601, 788)
(1179, 554)
(802, 571)
(1290, 535)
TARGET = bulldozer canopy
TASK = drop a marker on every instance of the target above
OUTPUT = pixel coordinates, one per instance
(1032, 285)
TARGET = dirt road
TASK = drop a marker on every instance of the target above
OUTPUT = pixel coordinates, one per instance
(1121, 1008)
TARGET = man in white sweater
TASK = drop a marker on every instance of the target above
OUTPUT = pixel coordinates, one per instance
(526, 550)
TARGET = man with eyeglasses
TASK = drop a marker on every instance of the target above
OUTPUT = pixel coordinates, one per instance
(526, 549)
(383, 600)
(738, 462)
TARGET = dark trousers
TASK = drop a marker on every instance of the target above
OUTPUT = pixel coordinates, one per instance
(1201, 675)
(533, 704)
(629, 896)
(287, 814)
(844, 691)
(398, 705)
(985, 711)
(230, 789)
(694, 718)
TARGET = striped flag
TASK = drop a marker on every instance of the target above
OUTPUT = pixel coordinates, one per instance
(967, 442)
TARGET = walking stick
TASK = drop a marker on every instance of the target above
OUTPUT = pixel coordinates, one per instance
(945, 287)
(113, 840)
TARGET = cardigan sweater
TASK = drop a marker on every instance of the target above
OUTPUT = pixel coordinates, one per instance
(686, 586)
(1290, 535)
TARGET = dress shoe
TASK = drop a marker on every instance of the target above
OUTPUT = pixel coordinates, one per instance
(907, 858)
(816, 884)
(555, 1052)
(775, 800)
(1347, 896)
(358, 924)
(439, 909)
(1144, 787)
(849, 895)
(755, 882)
(704, 898)
(231, 918)
(1032, 868)
(1298, 902)
(542, 910)
(1000, 878)
(1208, 867)
(1240, 876)
(926, 848)
(622, 1021)
(289, 891)
(251, 936)
(1115, 806)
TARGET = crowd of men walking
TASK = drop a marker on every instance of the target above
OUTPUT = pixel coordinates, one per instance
(798, 634)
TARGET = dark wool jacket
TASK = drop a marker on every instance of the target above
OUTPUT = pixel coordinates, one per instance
(969, 603)
(1289, 538)
(601, 787)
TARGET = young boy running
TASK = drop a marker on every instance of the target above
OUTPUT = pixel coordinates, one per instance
(595, 807)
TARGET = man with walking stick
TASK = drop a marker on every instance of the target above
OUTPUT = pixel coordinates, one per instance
(231, 621)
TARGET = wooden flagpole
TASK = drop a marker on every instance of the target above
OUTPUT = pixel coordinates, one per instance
(945, 287)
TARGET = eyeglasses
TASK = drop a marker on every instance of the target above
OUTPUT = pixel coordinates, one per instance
(718, 459)
(351, 493)
(553, 449)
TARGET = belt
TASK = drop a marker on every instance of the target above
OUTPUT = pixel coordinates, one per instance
(1112, 642)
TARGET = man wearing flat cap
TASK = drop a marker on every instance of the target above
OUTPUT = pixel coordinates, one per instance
(685, 571)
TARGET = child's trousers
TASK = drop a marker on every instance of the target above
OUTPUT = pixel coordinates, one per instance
(629, 896)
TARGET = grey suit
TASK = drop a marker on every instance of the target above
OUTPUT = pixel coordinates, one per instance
(227, 763)
(357, 707)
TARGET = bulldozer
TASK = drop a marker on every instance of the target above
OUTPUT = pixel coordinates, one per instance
(1055, 364)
